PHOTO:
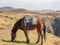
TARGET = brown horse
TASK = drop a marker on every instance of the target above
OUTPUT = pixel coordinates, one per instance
(41, 29)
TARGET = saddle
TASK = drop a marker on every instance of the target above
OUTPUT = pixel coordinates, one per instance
(29, 21)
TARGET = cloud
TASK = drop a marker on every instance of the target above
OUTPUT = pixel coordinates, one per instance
(49, 1)
(23, 1)
(32, 4)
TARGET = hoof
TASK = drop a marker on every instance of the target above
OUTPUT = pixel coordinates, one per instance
(37, 42)
(12, 40)
(28, 42)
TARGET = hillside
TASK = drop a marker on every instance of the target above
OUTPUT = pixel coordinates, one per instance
(6, 8)
(8, 19)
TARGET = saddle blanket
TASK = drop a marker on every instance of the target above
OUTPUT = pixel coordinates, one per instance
(30, 21)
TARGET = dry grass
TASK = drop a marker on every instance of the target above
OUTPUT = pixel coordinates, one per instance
(5, 38)
(6, 23)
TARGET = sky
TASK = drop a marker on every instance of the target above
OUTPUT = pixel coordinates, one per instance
(32, 4)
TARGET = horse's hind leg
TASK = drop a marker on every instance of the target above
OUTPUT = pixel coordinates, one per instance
(38, 36)
(13, 34)
(41, 34)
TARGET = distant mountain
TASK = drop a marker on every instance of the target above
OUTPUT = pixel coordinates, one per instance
(22, 10)
(6, 8)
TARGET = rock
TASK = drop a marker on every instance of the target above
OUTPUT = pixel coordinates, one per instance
(48, 22)
(56, 26)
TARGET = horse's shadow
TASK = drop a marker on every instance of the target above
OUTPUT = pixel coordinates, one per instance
(17, 42)
(14, 41)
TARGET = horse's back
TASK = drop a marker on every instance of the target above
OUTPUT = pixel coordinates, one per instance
(31, 23)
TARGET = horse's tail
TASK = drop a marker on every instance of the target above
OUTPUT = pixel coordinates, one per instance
(44, 32)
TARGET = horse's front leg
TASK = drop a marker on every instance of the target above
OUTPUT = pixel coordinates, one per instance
(13, 34)
(25, 32)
